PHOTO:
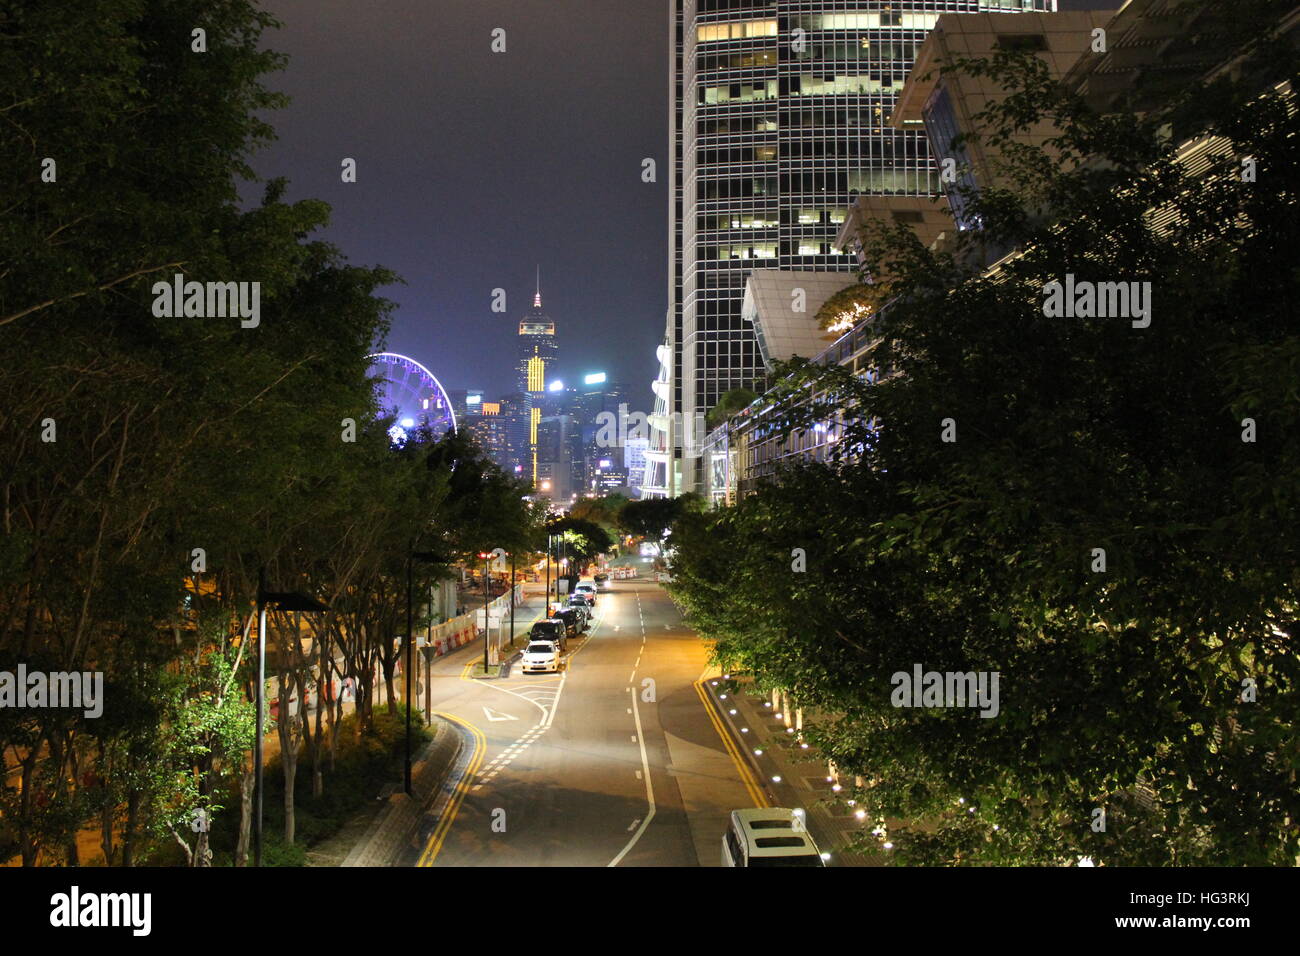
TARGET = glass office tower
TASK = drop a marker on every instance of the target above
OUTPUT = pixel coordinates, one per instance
(778, 117)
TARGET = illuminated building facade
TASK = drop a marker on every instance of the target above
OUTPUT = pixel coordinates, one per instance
(779, 115)
(536, 362)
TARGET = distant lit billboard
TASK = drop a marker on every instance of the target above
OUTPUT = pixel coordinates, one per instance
(594, 379)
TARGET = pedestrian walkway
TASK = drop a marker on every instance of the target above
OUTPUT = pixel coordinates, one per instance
(392, 833)
(790, 774)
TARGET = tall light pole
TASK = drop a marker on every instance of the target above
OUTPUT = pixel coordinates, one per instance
(411, 558)
(428, 664)
(410, 639)
(512, 602)
(283, 601)
(485, 557)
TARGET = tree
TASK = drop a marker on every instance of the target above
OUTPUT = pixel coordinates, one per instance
(1155, 690)
(731, 402)
(583, 539)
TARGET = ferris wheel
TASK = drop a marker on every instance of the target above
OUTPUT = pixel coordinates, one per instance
(412, 394)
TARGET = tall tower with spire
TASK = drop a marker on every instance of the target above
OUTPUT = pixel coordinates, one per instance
(534, 369)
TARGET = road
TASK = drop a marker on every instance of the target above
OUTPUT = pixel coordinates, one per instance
(616, 761)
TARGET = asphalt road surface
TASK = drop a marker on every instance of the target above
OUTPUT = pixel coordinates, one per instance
(615, 761)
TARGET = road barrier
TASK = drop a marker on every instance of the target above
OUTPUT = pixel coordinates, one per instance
(459, 631)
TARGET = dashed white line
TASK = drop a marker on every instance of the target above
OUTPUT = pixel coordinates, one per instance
(649, 787)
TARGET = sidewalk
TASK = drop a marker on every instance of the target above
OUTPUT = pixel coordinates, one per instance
(789, 775)
(392, 834)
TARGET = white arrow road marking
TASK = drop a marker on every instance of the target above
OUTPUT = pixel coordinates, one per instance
(495, 715)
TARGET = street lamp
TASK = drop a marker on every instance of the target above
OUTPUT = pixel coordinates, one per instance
(486, 556)
(283, 601)
(411, 558)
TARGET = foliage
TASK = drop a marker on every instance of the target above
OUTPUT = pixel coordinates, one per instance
(1120, 690)
(729, 403)
(189, 454)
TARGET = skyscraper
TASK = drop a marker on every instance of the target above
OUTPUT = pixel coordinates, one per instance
(536, 362)
(779, 114)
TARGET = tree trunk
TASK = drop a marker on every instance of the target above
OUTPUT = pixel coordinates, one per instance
(385, 662)
(106, 812)
(128, 833)
(322, 681)
(246, 780)
(288, 755)
(25, 837)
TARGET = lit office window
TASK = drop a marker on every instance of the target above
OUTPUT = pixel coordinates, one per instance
(739, 30)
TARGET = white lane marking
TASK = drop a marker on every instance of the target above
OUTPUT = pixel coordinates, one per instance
(649, 787)
(632, 676)
(629, 710)
(555, 704)
(495, 715)
(633, 824)
(638, 774)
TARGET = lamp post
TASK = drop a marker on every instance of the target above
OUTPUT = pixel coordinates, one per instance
(485, 556)
(428, 664)
(411, 558)
(283, 601)
(512, 602)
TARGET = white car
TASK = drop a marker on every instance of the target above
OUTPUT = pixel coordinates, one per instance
(587, 590)
(769, 836)
(541, 657)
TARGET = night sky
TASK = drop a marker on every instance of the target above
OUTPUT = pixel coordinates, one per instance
(474, 167)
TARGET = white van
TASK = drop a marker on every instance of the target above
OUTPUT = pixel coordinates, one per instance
(769, 836)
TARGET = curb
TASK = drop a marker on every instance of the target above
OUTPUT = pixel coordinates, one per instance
(394, 829)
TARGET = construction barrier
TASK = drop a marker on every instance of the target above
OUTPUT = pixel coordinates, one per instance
(461, 630)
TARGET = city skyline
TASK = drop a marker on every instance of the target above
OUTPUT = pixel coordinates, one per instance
(953, 536)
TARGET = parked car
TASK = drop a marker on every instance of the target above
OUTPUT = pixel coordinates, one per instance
(573, 622)
(587, 590)
(769, 836)
(579, 604)
(552, 629)
(541, 657)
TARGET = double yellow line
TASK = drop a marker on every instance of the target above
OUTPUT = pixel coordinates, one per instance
(742, 764)
(448, 814)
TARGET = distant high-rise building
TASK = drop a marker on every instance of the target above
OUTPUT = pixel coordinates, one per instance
(559, 457)
(779, 115)
(535, 366)
(465, 402)
(634, 450)
(596, 402)
(492, 430)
